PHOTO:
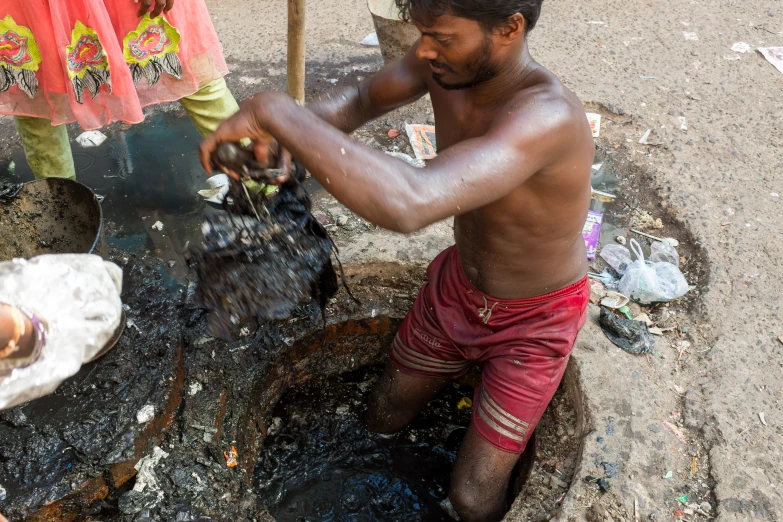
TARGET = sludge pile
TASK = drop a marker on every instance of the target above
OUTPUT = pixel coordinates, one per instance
(262, 258)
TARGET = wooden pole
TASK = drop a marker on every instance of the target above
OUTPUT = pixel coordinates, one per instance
(296, 50)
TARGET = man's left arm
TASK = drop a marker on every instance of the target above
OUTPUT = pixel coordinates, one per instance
(391, 193)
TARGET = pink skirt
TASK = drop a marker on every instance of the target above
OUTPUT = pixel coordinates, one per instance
(96, 61)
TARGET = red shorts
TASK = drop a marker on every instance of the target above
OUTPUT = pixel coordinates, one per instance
(524, 343)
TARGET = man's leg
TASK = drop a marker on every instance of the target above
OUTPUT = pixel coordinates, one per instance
(47, 148)
(210, 106)
(398, 397)
(479, 481)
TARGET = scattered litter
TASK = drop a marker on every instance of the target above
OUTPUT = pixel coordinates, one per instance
(693, 37)
(91, 139)
(762, 418)
(597, 167)
(694, 465)
(654, 283)
(655, 330)
(774, 195)
(683, 500)
(677, 432)
(194, 388)
(195, 476)
(669, 474)
(596, 22)
(645, 136)
(146, 414)
(99, 198)
(731, 57)
(780, 339)
(614, 300)
(631, 336)
(617, 256)
(157, 226)
(422, 138)
(371, 40)
(626, 311)
(232, 457)
(406, 158)
(595, 123)
(741, 47)
(464, 402)
(620, 239)
(642, 219)
(643, 318)
(664, 252)
(145, 467)
(591, 232)
(12, 167)
(557, 482)
(218, 188)
(342, 410)
(393, 133)
(683, 123)
(774, 55)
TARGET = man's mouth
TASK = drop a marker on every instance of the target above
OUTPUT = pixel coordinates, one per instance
(439, 67)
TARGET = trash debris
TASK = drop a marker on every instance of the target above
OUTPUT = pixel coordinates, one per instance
(645, 137)
(693, 37)
(774, 55)
(683, 500)
(157, 226)
(620, 239)
(631, 336)
(262, 257)
(617, 256)
(642, 219)
(614, 300)
(677, 432)
(407, 159)
(9, 191)
(422, 138)
(654, 283)
(741, 47)
(218, 188)
(194, 388)
(393, 133)
(661, 252)
(91, 139)
(669, 474)
(643, 318)
(595, 123)
(464, 402)
(683, 123)
(655, 330)
(774, 195)
(446, 506)
(232, 457)
(762, 418)
(146, 471)
(591, 232)
(602, 483)
(371, 40)
(146, 414)
(556, 482)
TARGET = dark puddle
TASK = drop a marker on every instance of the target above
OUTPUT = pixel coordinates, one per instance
(323, 465)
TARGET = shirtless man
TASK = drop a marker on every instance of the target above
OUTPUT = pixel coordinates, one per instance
(513, 169)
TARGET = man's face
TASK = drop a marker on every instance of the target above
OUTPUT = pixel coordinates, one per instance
(460, 52)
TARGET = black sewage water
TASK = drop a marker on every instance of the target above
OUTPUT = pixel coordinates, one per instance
(320, 463)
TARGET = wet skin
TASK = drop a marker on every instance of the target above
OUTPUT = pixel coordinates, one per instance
(513, 169)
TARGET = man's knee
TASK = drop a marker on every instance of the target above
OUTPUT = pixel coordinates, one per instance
(474, 504)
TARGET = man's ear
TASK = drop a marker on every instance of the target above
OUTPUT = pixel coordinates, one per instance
(513, 29)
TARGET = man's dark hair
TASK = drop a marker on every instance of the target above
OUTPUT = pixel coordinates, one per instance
(489, 13)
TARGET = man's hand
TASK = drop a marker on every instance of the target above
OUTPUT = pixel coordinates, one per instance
(249, 123)
(158, 7)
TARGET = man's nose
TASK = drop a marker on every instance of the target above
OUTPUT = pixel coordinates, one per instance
(424, 50)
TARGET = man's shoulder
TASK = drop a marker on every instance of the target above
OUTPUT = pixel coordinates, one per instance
(548, 99)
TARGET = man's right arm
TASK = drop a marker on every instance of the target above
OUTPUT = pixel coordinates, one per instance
(397, 84)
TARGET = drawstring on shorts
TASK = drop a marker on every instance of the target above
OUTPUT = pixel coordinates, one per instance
(485, 314)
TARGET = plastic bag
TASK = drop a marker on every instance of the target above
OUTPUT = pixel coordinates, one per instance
(617, 256)
(77, 297)
(664, 253)
(651, 283)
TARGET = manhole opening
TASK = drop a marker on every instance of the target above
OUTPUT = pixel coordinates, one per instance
(319, 462)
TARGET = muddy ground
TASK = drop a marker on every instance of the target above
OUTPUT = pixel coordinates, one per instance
(714, 181)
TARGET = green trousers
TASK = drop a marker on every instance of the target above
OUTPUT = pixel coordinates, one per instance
(48, 150)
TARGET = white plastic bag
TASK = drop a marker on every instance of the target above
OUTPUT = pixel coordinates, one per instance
(77, 296)
(651, 283)
(616, 256)
(661, 252)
